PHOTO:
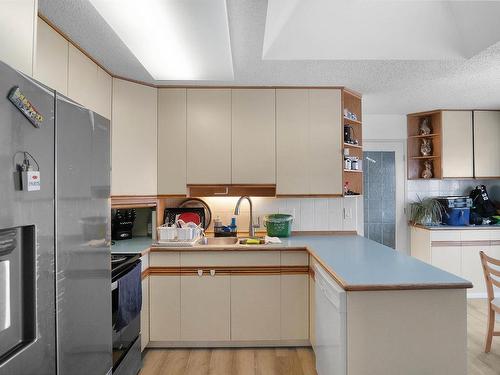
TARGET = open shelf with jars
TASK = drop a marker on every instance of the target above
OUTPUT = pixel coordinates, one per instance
(353, 146)
(424, 145)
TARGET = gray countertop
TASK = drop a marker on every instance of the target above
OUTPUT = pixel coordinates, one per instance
(362, 264)
(463, 227)
(135, 245)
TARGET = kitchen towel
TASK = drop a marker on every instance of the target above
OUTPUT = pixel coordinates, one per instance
(129, 297)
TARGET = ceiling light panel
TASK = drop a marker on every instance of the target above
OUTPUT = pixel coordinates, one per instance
(174, 39)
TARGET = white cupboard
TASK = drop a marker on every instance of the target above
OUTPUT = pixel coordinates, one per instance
(486, 137)
(172, 141)
(309, 141)
(205, 308)
(18, 23)
(134, 139)
(457, 153)
(51, 66)
(208, 136)
(255, 307)
(253, 136)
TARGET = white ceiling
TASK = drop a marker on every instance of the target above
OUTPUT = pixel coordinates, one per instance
(388, 86)
(174, 39)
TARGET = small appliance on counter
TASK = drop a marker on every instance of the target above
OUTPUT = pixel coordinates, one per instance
(122, 224)
(456, 210)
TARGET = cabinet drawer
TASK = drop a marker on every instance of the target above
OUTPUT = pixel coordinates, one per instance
(164, 259)
(230, 258)
(294, 258)
(445, 235)
(475, 235)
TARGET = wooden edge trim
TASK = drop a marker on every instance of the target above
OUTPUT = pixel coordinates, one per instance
(145, 273)
(445, 243)
(495, 243)
(309, 195)
(248, 270)
(352, 92)
(233, 185)
(312, 275)
(366, 288)
(476, 243)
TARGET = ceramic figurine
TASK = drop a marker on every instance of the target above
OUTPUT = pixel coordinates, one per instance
(426, 147)
(427, 172)
(425, 128)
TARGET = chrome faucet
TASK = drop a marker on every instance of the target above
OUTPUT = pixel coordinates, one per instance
(251, 230)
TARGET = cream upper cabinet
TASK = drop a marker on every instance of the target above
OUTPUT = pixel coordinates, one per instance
(325, 141)
(486, 148)
(309, 141)
(292, 145)
(208, 136)
(18, 19)
(255, 307)
(457, 155)
(253, 136)
(88, 84)
(205, 308)
(172, 141)
(51, 66)
(134, 139)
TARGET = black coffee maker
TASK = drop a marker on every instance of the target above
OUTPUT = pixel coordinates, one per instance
(122, 224)
(349, 135)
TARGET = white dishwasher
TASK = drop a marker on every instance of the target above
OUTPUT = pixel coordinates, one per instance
(330, 347)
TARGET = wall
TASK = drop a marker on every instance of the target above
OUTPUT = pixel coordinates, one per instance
(435, 188)
(384, 127)
(310, 214)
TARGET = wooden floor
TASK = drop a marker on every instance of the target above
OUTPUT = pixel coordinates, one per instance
(299, 361)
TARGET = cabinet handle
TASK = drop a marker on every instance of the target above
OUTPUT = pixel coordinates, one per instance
(226, 192)
(200, 272)
(212, 272)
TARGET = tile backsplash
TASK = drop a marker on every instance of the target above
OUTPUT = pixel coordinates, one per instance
(310, 214)
(435, 188)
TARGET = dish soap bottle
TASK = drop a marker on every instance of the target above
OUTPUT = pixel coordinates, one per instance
(233, 226)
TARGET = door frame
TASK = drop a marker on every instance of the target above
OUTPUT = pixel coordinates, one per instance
(399, 148)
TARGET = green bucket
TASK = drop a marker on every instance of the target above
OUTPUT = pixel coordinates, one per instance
(278, 225)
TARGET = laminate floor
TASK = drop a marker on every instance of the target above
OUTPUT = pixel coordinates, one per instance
(300, 361)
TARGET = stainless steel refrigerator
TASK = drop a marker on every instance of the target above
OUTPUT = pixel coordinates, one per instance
(55, 269)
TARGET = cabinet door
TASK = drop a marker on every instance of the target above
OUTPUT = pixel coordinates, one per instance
(457, 155)
(295, 307)
(312, 312)
(205, 308)
(486, 149)
(82, 77)
(472, 269)
(134, 139)
(52, 58)
(18, 21)
(255, 307)
(448, 258)
(145, 313)
(325, 141)
(165, 308)
(103, 92)
(292, 141)
(253, 136)
(172, 141)
(209, 136)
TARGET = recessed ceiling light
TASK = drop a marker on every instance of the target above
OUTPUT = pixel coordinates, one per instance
(174, 39)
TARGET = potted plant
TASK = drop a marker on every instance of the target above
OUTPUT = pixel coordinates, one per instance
(427, 211)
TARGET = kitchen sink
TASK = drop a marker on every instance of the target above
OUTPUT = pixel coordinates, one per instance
(219, 241)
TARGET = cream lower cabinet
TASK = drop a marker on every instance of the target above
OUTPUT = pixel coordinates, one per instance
(165, 308)
(486, 150)
(205, 308)
(457, 251)
(295, 307)
(145, 313)
(255, 307)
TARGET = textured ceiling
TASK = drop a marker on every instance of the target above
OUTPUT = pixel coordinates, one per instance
(392, 87)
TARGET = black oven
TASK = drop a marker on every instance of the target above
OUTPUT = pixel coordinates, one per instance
(126, 336)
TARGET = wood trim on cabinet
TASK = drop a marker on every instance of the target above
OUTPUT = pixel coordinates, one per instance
(231, 190)
(464, 243)
(309, 195)
(223, 270)
(133, 201)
